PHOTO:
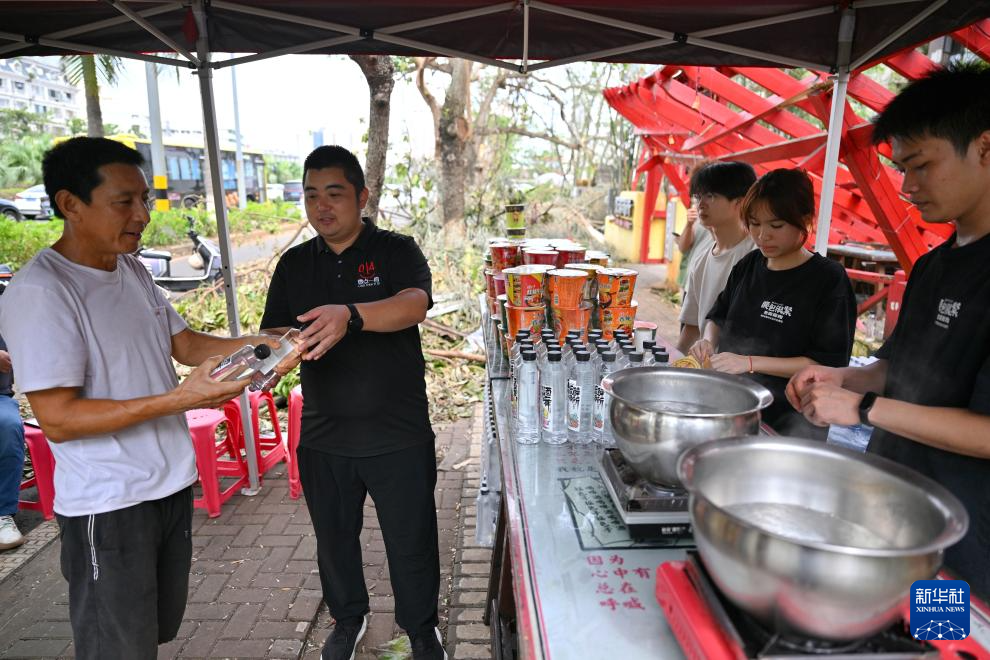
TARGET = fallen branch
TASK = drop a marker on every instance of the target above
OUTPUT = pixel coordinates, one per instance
(442, 329)
(473, 357)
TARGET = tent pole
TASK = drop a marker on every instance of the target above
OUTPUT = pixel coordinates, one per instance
(835, 128)
(211, 138)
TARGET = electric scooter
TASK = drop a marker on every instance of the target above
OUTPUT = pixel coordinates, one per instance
(159, 263)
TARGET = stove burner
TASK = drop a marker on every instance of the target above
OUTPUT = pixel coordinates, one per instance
(635, 492)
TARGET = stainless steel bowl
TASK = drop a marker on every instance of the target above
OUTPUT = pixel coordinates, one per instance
(659, 412)
(813, 539)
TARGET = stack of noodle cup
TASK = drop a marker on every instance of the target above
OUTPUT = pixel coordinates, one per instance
(597, 258)
(567, 307)
(569, 254)
(526, 293)
(616, 307)
(502, 254)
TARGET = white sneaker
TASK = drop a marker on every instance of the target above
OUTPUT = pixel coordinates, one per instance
(10, 536)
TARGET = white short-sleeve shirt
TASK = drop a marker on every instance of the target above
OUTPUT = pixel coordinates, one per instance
(108, 334)
(706, 278)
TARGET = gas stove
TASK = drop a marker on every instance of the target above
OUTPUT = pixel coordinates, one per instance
(709, 627)
(648, 511)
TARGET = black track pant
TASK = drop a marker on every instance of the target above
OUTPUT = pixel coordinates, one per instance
(128, 573)
(401, 484)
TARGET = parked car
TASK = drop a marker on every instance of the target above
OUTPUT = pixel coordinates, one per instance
(274, 191)
(293, 191)
(34, 203)
(9, 210)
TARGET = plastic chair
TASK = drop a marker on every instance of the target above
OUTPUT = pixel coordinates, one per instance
(269, 448)
(295, 423)
(44, 473)
(215, 459)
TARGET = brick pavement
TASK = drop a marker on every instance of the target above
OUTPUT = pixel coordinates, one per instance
(254, 587)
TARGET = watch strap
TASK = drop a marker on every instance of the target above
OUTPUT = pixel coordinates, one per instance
(865, 406)
(355, 323)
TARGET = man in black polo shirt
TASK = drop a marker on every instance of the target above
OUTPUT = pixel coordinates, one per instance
(365, 422)
(929, 393)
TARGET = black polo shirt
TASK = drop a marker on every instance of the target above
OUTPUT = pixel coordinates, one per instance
(367, 395)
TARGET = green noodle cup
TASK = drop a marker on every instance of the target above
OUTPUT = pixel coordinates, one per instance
(515, 218)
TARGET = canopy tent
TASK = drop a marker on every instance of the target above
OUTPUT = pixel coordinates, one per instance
(533, 34)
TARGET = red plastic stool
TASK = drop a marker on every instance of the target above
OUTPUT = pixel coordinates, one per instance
(44, 472)
(215, 459)
(295, 422)
(269, 448)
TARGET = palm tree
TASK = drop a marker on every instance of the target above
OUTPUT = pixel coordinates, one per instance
(88, 69)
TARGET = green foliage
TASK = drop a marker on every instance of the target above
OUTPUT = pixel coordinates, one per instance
(19, 241)
(18, 124)
(76, 126)
(108, 67)
(281, 171)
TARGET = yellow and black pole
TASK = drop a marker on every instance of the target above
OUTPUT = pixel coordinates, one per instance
(160, 179)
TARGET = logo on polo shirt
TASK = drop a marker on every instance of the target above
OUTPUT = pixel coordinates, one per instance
(947, 310)
(773, 311)
(366, 275)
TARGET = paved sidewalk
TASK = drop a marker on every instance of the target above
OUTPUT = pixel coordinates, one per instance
(254, 588)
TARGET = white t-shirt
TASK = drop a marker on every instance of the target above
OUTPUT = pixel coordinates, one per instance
(706, 278)
(109, 334)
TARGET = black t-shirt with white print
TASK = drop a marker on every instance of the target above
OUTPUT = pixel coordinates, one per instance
(939, 355)
(806, 311)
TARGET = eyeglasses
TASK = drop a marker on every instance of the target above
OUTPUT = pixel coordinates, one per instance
(708, 197)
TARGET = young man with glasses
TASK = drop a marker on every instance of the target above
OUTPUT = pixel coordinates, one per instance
(717, 190)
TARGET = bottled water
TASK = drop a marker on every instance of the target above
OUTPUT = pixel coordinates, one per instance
(528, 400)
(553, 400)
(635, 359)
(648, 345)
(242, 363)
(580, 399)
(661, 358)
(515, 360)
(601, 423)
(266, 378)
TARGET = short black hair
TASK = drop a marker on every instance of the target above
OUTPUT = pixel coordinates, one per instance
(951, 103)
(336, 156)
(74, 165)
(729, 178)
(788, 194)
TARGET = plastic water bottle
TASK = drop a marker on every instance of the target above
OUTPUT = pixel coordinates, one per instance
(241, 363)
(601, 423)
(515, 360)
(661, 358)
(553, 400)
(266, 378)
(635, 359)
(528, 397)
(580, 399)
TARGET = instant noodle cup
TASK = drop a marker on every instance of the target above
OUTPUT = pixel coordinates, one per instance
(543, 256)
(569, 254)
(490, 283)
(525, 318)
(565, 287)
(617, 318)
(615, 287)
(526, 285)
(503, 301)
(591, 286)
(504, 255)
(500, 288)
(566, 319)
(515, 217)
(596, 257)
(516, 233)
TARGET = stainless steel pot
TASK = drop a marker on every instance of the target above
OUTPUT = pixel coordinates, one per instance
(659, 412)
(813, 539)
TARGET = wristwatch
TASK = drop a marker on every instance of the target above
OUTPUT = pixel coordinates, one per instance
(865, 406)
(356, 323)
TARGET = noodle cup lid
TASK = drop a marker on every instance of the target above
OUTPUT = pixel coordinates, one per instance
(567, 272)
(528, 269)
(618, 272)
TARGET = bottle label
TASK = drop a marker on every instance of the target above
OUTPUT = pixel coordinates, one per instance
(546, 408)
(600, 408)
(573, 405)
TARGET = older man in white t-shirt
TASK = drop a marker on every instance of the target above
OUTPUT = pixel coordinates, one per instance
(717, 191)
(92, 340)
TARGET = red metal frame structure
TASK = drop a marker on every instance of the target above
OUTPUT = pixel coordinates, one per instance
(774, 118)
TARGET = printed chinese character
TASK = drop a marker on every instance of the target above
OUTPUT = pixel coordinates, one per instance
(603, 588)
(627, 588)
(595, 560)
(642, 572)
(610, 603)
(616, 559)
(621, 572)
(633, 604)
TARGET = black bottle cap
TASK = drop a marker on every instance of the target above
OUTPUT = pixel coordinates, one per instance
(636, 356)
(648, 345)
(554, 356)
(661, 357)
(608, 356)
(262, 351)
(582, 356)
(528, 356)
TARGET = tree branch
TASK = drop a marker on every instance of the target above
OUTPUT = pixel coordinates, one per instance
(421, 64)
(519, 130)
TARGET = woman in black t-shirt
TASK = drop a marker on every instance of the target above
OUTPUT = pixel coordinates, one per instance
(783, 307)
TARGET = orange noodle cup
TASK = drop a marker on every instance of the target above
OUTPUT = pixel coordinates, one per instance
(616, 286)
(526, 285)
(617, 318)
(504, 255)
(525, 318)
(566, 287)
(596, 257)
(569, 254)
(591, 286)
(543, 256)
(566, 319)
